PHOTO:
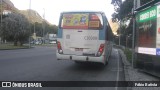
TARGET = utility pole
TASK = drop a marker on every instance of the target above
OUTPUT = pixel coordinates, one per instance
(120, 33)
(43, 25)
(136, 4)
(34, 28)
(34, 33)
(126, 41)
(1, 16)
(29, 24)
(133, 32)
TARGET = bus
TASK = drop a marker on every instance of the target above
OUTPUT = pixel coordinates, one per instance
(84, 37)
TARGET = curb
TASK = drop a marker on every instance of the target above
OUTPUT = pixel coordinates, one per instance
(54, 45)
(17, 48)
(125, 63)
(126, 66)
(131, 74)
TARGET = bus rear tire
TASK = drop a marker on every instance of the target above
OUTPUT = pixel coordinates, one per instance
(106, 63)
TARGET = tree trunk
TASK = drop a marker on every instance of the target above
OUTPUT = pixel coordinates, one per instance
(15, 43)
(3, 40)
(21, 44)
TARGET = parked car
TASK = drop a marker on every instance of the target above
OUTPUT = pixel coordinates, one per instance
(52, 42)
(32, 42)
(38, 42)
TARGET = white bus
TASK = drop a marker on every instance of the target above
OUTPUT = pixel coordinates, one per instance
(84, 37)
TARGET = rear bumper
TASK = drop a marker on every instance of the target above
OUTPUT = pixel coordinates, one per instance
(81, 58)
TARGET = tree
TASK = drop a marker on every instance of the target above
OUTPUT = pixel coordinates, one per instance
(122, 10)
(15, 28)
(123, 13)
(39, 29)
(51, 29)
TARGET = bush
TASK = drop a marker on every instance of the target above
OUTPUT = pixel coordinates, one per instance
(128, 54)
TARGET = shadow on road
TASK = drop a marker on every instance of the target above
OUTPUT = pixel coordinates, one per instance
(87, 66)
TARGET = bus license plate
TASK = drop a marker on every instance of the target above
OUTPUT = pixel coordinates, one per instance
(78, 49)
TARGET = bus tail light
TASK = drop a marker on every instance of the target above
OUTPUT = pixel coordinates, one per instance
(59, 47)
(159, 30)
(101, 49)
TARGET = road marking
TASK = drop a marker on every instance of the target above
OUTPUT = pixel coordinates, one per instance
(116, 88)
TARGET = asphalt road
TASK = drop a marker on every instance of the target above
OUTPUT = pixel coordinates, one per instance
(40, 64)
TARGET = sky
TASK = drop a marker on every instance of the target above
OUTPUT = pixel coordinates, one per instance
(53, 8)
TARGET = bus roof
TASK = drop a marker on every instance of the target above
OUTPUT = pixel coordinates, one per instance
(82, 12)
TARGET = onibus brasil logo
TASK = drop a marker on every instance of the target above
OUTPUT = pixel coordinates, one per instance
(22, 84)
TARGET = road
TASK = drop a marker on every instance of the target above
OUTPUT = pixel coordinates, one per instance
(40, 64)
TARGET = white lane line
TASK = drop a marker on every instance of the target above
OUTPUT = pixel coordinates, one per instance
(116, 88)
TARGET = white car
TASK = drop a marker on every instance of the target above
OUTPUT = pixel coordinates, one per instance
(38, 42)
(52, 42)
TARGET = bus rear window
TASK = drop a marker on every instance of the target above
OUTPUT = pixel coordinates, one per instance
(82, 21)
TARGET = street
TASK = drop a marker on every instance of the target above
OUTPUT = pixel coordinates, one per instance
(40, 64)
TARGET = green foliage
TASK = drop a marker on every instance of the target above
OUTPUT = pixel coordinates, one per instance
(11, 46)
(39, 27)
(51, 29)
(15, 27)
(128, 54)
(123, 13)
(116, 2)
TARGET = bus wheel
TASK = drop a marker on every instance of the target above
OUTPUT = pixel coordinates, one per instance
(107, 60)
(106, 63)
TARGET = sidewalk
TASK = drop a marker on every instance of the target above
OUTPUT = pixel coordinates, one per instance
(132, 74)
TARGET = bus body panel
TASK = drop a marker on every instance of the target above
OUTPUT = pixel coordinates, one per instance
(84, 58)
(79, 42)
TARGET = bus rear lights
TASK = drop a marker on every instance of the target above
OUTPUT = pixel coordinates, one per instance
(101, 49)
(59, 47)
(159, 30)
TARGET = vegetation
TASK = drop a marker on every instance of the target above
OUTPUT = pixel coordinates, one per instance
(11, 46)
(123, 10)
(20, 24)
(123, 15)
(15, 27)
(128, 54)
(38, 24)
(43, 28)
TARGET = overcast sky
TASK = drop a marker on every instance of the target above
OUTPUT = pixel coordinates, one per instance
(54, 7)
